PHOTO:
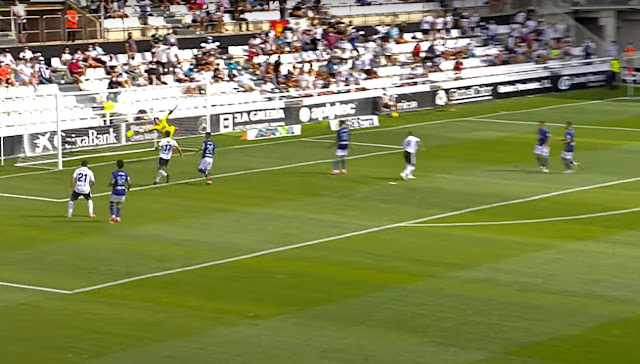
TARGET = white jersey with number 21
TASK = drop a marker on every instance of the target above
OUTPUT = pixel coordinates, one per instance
(84, 177)
(410, 144)
(166, 147)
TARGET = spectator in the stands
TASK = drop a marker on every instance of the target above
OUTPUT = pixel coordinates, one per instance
(426, 26)
(6, 77)
(43, 72)
(492, 32)
(173, 57)
(145, 6)
(76, 71)
(65, 57)
(99, 51)
(130, 45)
(170, 38)
(154, 74)
(71, 23)
(7, 58)
(156, 37)
(26, 54)
(23, 73)
(588, 48)
(160, 54)
(19, 13)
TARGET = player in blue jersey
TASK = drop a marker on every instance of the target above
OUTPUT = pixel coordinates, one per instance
(208, 149)
(541, 150)
(569, 147)
(120, 183)
(343, 142)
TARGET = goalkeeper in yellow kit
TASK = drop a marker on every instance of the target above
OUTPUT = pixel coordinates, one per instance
(162, 125)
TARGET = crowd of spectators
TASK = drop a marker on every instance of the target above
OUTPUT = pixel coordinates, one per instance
(348, 57)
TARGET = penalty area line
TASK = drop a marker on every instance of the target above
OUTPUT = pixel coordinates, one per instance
(351, 234)
(531, 221)
(34, 288)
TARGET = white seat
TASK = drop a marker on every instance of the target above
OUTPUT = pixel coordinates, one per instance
(156, 21)
(132, 23)
(113, 24)
(178, 9)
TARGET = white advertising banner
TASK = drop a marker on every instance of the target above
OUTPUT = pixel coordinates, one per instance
(357, 122)
(274, 132)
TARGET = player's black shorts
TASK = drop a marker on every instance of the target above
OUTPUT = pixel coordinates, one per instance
(75, 196)
(410, 158)
(162, 162)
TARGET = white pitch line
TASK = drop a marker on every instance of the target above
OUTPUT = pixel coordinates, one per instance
(35, 288)
(556, 106)
(555, 124)
(510, 222)
(267, 169)
(348, 235)
(356, 143)
(31, 197)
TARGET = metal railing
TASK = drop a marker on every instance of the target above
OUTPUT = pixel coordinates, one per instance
(52, 28)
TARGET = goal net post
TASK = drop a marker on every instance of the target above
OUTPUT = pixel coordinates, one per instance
(104, 124)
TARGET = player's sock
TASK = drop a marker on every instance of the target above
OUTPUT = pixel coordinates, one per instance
(335, 164)
(161, 174)
(70, 208)
(344, 163)
(539, 161)
(411, 169)
(90, 205)
(118, 208)
(545, 162)
(407, 169)
(111, 209)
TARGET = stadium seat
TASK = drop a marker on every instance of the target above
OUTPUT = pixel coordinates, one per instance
(156, 21)
(178, 9)
(132, 23)
(113, 24)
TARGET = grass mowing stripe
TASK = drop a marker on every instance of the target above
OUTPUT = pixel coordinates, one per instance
(554, 124)
(509, 222)
(351, 234)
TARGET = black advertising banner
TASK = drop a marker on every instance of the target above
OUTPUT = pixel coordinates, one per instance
(580, 81)
(413, 101)
(291, 115)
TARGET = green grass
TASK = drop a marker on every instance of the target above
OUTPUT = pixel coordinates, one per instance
(553, 292)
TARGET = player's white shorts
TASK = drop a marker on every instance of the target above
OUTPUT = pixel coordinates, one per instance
(342, 152)
(542, 150)
(567, 155)
(205, 164)
(117, 198)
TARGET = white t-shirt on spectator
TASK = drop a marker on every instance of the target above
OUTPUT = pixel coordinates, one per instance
(387, 50)
(26, 54)
(426, 22)
(370, 47)
(439, 23)
(173, 54)
(520, 17)
(161, 53)
(492, 29)
(66, 57)
(25, 70)
(7, 58)
(448, 20)
(19, 10)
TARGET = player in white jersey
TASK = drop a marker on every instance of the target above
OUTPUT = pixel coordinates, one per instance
(411, 144)
(166, 147)
(81, 183)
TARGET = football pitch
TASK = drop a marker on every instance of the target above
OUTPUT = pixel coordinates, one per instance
(480, 259)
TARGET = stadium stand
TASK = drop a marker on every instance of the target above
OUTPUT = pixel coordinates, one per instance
(301, 60)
